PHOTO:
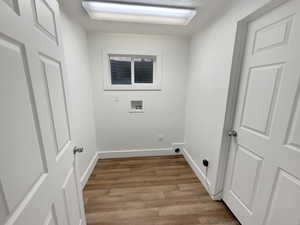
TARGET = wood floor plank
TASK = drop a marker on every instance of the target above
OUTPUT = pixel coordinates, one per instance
(150, 191)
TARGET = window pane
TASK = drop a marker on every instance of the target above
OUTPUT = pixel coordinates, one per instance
(143, 70)
(120, 68)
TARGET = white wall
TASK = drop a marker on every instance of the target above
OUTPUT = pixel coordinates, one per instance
(211, 53)
(117, 129)
(81, 107)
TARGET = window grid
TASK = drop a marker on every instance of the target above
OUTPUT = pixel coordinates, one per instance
(132, 59)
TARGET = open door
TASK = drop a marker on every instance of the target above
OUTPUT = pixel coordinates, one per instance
(38, 181)
(263, 177)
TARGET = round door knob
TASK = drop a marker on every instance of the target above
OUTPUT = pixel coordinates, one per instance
(232, 133)
(77, 149)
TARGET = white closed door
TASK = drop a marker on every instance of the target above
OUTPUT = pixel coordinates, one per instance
(38, 183)
(263, 177)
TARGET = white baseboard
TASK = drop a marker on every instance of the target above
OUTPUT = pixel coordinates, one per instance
(136, 153)
(179, 145)
(201, 176)
(218, 196)
(87, 173)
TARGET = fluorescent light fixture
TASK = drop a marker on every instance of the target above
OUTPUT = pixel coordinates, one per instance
(138, 13)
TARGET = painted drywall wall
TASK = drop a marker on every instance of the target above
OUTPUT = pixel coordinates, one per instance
(211, 53)
(81, 109)
(162, 122)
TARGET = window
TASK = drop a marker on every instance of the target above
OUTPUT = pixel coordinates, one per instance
(143, 70)
(120, 69)
(127, 70)
(131, 72)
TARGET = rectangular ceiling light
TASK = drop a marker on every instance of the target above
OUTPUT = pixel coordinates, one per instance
(138, 13)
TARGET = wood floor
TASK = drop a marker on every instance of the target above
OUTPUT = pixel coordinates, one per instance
(150, 191)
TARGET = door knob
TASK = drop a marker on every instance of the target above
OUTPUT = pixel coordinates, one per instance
(77, 149)
(232, 133)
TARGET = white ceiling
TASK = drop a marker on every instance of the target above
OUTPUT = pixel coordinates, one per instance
(206, 10)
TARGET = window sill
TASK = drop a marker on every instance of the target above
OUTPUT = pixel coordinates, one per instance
(137, 111)
(130, 88)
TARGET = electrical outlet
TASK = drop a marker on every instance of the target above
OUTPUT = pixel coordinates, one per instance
(161, 137)
(177, 148)
(205, 162)
(116, 99)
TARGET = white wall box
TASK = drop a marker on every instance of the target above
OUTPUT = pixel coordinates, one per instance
(136, 106)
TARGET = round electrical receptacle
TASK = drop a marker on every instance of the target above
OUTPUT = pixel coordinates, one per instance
(205, 163)
(177, 150)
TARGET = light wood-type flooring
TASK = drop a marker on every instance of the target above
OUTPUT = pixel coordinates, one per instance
(150, 191)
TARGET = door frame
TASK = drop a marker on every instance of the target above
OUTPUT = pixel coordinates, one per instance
(233, 90)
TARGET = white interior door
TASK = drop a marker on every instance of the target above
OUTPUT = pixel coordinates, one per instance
(38, 182)
(263, 178)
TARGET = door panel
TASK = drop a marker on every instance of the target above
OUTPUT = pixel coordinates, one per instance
(4, 211)
(54, 82)
(18, 116)
(71, 199)
(45, 18)
(37, 148)
(262, 180)
(258, 109)
(246, 171)
(51, 218)
(272, 35)
(284, 207)
(293, 133)
(13, 4)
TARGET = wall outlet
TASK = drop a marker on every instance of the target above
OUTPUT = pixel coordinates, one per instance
(177, 150)
(205, 163)
(161, 137)
(116, 99)
(177, 147)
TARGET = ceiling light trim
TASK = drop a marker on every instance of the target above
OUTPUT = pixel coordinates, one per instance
(129, 2)
(111, 11)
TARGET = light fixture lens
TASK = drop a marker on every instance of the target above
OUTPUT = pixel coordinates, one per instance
(138, 13)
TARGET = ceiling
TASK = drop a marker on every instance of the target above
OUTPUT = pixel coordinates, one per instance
(206, 10)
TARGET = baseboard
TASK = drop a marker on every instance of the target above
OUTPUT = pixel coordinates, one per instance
(87, 173)
(218, 196)
(201, 176)
(136, 153)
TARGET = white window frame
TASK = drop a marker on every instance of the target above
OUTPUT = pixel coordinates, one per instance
(157, 70)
